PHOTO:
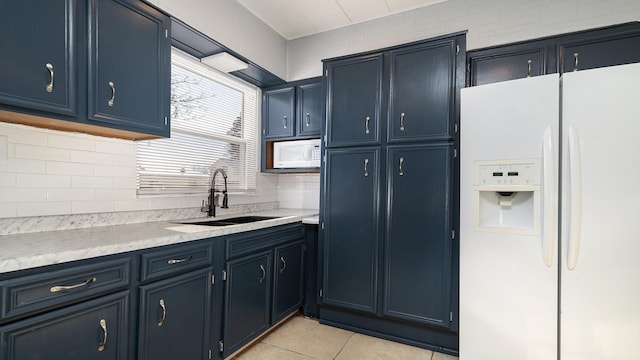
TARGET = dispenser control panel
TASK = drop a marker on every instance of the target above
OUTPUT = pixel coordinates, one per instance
(508, 172)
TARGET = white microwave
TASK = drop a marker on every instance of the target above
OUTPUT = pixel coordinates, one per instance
(296, 154)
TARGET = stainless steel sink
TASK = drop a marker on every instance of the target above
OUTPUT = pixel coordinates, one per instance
(231, 221)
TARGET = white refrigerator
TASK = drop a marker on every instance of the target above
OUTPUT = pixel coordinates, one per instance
(550, 217)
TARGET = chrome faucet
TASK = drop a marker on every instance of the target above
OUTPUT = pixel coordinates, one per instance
(210, 208)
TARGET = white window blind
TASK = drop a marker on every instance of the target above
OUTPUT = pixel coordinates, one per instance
(213, 125)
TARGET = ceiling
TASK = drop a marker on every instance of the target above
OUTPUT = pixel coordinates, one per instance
(297, 18)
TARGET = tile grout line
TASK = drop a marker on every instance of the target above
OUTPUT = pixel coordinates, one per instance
(343, 345)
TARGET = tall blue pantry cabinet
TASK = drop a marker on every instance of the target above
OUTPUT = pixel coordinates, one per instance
(388, 220)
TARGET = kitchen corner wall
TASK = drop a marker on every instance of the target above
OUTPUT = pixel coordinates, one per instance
(46, 172)
(489, 23)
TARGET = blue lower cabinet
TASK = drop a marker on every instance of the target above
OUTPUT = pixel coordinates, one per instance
(96, 329)
(288, 280)
(248, 291)
(175, 317)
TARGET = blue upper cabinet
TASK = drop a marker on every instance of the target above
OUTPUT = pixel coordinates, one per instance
(129, 67)
(37, 66)
(279, 113)
(421, 105)
(310, 101)
(354, 95)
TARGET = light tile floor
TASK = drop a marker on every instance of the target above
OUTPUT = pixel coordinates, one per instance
(305, 339)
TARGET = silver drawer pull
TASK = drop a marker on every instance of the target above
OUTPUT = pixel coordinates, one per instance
(308, 119)
(575, 61)
(50, 84)
(528, 68)
(400, 170)
(264, 274)
(366, 165)
(113, 93)
(164, 313)
(284, 122)
(366, 125)
(58, 288)
(103, 344)
(284, 264)
(402, 122)
(178, 261)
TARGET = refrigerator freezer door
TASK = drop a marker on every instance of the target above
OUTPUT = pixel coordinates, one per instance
(508, 291)
(600, 306)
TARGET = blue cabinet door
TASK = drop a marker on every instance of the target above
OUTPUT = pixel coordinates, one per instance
(247, 305)
(351, 219)
(129, 67)
(94, 329)
(310, 102)
(175, 317)
(288, 280)
(38, 64)
(418, 240)
(354, 100)
(279, 113)
(421, 105)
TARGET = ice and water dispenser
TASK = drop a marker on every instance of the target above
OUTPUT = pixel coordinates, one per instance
(507, 196)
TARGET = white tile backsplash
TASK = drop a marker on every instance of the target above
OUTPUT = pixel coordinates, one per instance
(299, 191)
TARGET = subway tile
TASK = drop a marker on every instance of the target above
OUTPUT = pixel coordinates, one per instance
(22, 194)
(69, 194)
(7, 180)
(89, 207)
(21, 134)
(125, 160)
(95, 182)
(8, 209)
(115, 171)
(88, 157)
(125, 183)
(131, 205)
(44, 208)
(117, 147)
(67, 168)
(25, 166)
(83, 142)
(43, 181)
(40, 153)
(115, 194)
(163, 203)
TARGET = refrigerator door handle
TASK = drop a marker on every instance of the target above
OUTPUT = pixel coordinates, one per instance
(575, 202)
(549, 232)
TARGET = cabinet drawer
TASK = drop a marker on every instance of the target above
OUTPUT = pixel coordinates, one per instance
(246, 243)
(47, 290)
(175, 260)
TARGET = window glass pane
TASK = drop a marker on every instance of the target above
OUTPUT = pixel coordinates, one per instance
(213, 125)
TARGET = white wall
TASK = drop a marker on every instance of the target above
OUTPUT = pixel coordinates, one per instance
(234, 27)
(489, 22)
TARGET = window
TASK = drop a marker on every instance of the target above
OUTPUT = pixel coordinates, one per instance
(213, 125)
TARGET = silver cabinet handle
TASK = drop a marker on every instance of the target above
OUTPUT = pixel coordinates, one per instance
(400, 170)
(178, 261)
(264, 274)
(58, 288)
(284, 264)
(528, 68)
(366, 125)
(284, 122)
(164, 313)
(103, 344)
(308, 119)
(402, 122)
(113, 93)
(50, 85)
(575, 61)
(366, 164)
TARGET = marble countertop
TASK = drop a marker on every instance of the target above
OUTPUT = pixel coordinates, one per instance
(23, 251)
